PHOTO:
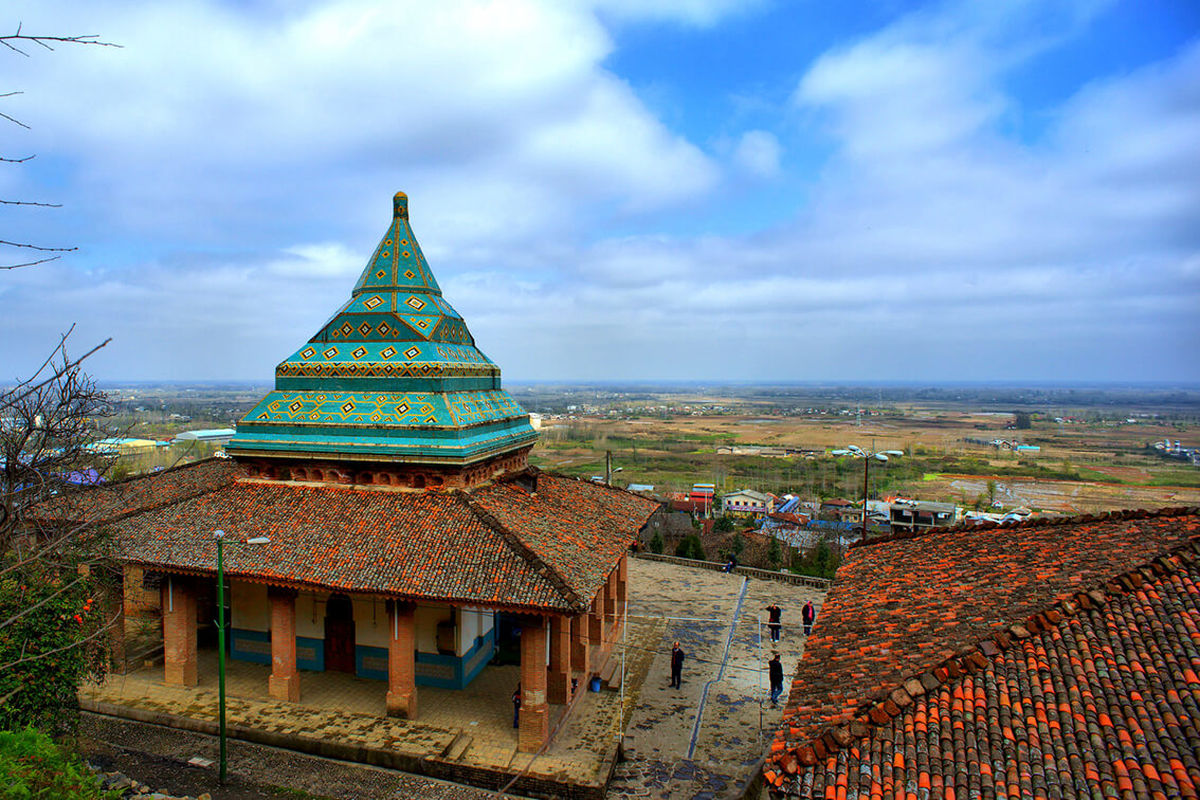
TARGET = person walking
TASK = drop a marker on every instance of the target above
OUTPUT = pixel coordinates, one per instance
(774, 620)
(809, 616)
(517, 706)
(775, 672)
(676, 666)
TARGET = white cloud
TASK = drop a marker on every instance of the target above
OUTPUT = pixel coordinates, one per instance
(229, 186)
(700, 13)
(757, 154)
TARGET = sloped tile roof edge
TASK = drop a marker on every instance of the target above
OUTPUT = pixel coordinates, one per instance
(1033, 522)
(293, 583)
(132, 480)
(890, 704)
(523, 550)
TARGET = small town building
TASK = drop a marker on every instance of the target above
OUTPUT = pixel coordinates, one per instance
(380, 518)
(748, 501)
(1053, 657)
(214, 435)
(918, 515)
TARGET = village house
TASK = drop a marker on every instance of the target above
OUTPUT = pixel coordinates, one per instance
(381, 519)
(748, 501)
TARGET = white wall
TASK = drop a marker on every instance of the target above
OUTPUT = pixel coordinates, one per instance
(249, 609)
(427, 619)
(370, 621)
(472, 623)
(310, 615)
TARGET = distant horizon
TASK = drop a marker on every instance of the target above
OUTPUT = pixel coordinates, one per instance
(718, 383)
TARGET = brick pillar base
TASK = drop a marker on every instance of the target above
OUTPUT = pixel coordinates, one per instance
(284, 683)
(402, 668)
(179, 631)
(535, 718)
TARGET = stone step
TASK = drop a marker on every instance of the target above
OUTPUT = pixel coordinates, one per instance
(610, 676)
(458, 748)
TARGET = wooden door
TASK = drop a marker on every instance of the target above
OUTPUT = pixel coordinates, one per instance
(339, 634)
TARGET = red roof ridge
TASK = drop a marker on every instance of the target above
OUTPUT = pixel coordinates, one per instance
(525, 551)
(890, 703)
(1035, 522)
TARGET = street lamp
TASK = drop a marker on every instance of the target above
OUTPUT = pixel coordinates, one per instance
(220, 622)
(866, 456)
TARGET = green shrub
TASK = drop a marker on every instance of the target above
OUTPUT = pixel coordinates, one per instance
(54, 642)
(35, 768)
(690, 547)
(656, 542)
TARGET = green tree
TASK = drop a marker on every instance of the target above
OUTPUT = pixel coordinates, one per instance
(723, 525)
(690, 547)
(656, 542)
(991, 492)
(774, 553)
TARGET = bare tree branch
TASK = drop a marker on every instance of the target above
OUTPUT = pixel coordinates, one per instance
(29, 203)
(47, 41)
(30, 263)
(40, 249)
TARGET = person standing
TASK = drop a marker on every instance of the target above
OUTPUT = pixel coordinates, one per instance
(517, 706)
(809, 616)
(774, 620)
(676, 666)
(775, 672)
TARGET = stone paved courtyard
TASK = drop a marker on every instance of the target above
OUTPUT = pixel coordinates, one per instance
(700, 741)
(704, 739)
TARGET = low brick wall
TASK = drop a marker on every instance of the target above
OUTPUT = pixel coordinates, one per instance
(750, 572)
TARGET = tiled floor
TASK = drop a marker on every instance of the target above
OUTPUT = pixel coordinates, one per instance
(345, 708)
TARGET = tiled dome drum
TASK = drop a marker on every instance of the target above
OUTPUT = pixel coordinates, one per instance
(392, 390)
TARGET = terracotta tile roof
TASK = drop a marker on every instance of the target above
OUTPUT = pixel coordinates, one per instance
(140, 493)
(498, 545)
(577, 528)
(964, 656)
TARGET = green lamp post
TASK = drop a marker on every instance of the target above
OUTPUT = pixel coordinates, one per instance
(220, 622)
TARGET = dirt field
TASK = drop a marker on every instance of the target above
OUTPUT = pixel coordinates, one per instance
(1078, 467)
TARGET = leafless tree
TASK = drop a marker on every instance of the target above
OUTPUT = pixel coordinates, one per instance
(21, 43)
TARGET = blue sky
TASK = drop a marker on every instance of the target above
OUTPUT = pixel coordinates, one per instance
(691, 189)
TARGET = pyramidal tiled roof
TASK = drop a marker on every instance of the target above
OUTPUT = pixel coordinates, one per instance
(394, 375)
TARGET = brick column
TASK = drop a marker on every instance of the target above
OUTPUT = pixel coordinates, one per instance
(284, 683)
(113, 607)
(535, 722)
(610, 602)
(558, 676)
(579, 649)
(595, 623)
(402, 660)
(179, 631)
(622, 589)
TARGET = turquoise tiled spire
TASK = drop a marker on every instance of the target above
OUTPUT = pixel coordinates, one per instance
(394, 375)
